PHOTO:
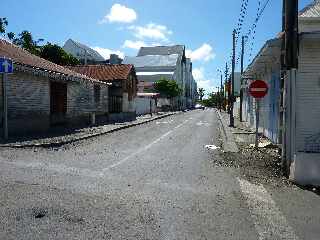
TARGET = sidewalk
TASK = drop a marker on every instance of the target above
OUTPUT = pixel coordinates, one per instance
(83, 133)
(228, 140)
(262, 165)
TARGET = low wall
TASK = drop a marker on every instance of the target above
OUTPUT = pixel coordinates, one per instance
(143, 105)
(122, 117)
(25, 125)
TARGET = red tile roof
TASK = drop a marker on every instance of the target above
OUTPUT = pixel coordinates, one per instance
(20, 56)
(106, 72)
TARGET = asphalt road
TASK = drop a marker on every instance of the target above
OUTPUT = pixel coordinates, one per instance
(154, 181)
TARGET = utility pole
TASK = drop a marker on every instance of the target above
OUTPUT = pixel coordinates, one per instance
(232, 77)
(222, 92)
(289, 61)
(218, 98)
(225, 84)
(291, 34)
(241, 79)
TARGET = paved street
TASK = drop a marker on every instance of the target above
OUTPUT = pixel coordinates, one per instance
(153, 181)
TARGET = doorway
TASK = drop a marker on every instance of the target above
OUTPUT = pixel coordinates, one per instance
(58, 102)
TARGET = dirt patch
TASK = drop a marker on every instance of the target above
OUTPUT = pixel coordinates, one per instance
(261, 165)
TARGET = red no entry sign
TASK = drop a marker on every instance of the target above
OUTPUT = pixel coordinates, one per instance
(258, 89)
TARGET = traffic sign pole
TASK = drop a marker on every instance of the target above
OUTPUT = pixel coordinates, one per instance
(257, 122)
(6, 67)
(258, 89)
(5, 106)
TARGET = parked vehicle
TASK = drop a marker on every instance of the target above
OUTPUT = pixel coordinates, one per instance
(199, 106)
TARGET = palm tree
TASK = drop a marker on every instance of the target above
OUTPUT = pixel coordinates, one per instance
(201, 92)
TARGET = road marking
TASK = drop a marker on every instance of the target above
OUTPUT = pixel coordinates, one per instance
(206, 124)
(212, 147)
(142, 149)
(164, 122)
(268, 219)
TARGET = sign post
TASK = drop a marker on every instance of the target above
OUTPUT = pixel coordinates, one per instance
(258, 89)
(6, 67)
(257, 122)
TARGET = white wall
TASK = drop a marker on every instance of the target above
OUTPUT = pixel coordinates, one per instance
(308, 92)
(142, 105)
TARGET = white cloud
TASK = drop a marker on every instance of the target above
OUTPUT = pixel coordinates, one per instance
(151, 31)
(121, 14)
(105, 52)
(203, 53)
(134, 44)
(203, 81)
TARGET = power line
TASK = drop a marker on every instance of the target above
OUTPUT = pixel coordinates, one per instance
(250, 36)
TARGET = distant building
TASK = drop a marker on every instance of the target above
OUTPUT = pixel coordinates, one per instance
(83, 53)
(154, 63)
(151, 68)
(114, 59)
(163, 50)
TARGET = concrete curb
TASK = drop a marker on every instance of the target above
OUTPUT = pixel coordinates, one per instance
(228, 141)
(87, 136)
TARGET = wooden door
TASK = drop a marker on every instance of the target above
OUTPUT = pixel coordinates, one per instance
(58, 102)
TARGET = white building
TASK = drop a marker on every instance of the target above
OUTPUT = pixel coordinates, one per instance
(154, 63)
(83, 53)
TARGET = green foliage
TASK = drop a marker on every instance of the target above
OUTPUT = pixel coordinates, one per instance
(51, 52)
(3, 25)
(201, 92)
(26, 41)
(168, 88)
(11, 35)
(213, 100)
(56, 54)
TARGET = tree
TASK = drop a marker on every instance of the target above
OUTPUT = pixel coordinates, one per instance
(168, 88)
(3, 25)
(201, 92)
(56, 54)
(213, 100)
(11, 35)
(26, 41)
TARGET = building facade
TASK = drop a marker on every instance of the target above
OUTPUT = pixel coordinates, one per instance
(42, 94)
(83, 53)
(294, 125)
(122, 83)
(170, 62)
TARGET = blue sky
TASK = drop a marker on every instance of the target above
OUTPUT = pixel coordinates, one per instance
(204, 26)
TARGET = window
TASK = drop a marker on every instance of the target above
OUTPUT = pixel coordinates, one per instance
(97, 93)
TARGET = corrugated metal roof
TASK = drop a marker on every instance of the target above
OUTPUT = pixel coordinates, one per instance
(271, 49)
(162, 50)
(155, 77)
(152, 61)
(82, 49)
(153, 73)
(22, 57)
(107, 72)
(311, 11)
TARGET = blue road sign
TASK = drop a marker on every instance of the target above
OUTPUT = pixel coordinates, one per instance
(6, 65)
